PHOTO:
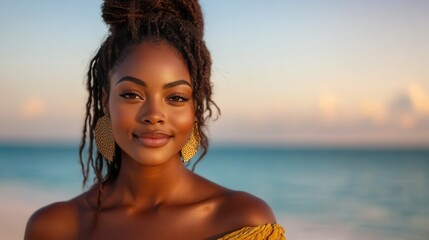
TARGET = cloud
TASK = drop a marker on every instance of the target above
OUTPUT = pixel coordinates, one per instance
(407, 121)
(410, 107)
(419, 99)
(33, 107)
(375, 111)
(331, 118)
(328, 106)
(401, 104)
(402, 111)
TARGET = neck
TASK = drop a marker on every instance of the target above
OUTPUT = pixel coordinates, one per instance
(149, 186)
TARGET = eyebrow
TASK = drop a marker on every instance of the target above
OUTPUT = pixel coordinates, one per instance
(143, 84)
(133, 80)
(176, 83)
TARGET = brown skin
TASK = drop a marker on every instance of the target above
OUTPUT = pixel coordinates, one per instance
(155, 196)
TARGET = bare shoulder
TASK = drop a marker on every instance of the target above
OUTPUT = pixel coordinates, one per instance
(244, 209)
(236, 208)
(56, 221)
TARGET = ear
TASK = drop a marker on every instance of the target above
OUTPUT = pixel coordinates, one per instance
(105, 101)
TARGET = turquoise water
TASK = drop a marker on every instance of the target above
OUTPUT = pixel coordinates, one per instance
(340, 193)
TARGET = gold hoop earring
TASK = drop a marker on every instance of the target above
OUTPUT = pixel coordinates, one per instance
(191, 147)
(104, 137)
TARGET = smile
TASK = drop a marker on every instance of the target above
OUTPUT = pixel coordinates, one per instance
(152, 138)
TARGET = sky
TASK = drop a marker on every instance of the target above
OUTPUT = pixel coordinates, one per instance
(308, 72)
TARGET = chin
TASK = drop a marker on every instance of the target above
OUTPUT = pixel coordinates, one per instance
(151, 157)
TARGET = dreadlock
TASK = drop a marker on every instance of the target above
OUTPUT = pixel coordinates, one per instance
(180, 23)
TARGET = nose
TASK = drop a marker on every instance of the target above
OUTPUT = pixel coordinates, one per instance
(152, 112)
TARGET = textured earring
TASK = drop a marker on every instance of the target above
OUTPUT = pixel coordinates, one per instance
(191, 147)
(104, 137)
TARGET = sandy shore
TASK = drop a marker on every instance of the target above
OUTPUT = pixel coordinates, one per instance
(17, 203)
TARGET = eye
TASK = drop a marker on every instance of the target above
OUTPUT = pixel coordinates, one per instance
(131, 95)
(178, 98)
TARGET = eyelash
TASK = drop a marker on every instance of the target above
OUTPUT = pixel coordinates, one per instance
(135, 96)
(178, 98)
(130, 95)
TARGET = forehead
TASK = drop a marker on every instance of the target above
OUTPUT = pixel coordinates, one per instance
(152, 60)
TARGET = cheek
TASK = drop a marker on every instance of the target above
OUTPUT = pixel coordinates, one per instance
(184, 122)
(122, 117)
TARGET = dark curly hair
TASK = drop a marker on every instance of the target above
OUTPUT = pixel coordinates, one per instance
(178, 22)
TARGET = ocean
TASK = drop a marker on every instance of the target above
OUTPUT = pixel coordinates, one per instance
(315, 193)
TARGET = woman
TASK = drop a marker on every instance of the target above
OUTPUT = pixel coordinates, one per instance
(149, 99)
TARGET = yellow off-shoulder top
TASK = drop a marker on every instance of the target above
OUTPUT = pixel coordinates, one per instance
(262, 232)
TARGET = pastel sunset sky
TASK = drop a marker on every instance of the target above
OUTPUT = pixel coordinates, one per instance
(307, 72)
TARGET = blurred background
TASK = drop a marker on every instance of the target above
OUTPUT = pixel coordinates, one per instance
(325, 110)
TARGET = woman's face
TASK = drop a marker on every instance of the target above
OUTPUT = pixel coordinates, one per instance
(150, 103)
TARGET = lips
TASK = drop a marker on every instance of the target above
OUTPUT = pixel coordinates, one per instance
(152, 138)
